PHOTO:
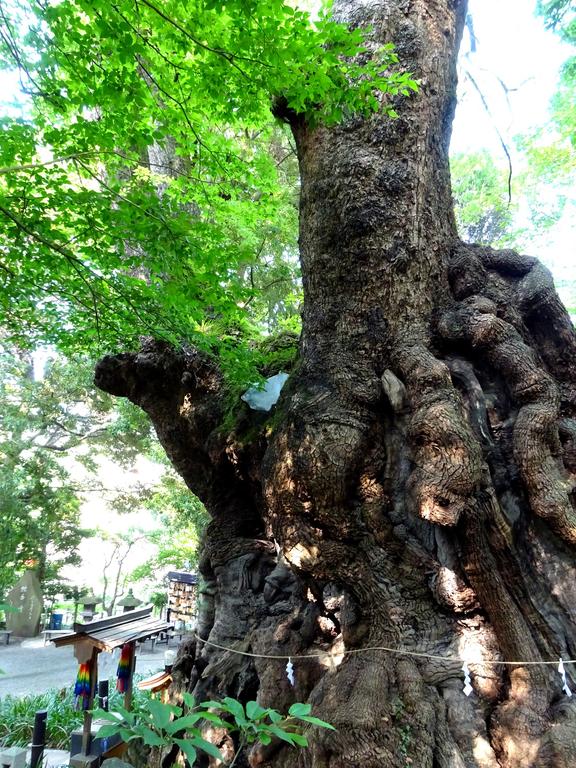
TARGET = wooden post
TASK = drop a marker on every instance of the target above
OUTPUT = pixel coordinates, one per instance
(129, 689)
(87, 730)
(38, 738)
(103, 693)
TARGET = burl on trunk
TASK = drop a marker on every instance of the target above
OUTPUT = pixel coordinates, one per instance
(414, 487)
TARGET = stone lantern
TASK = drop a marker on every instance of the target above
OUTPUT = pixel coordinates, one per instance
(89, 603)
(129, 602)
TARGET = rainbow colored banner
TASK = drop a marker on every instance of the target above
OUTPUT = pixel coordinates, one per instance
(83, 687)
(124, 668)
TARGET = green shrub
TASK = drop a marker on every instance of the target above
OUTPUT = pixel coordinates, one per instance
(162, 726)
(17, 716)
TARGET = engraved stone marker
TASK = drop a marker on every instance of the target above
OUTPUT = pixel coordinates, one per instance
(26, 596)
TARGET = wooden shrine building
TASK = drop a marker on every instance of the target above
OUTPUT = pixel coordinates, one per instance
(89, 640)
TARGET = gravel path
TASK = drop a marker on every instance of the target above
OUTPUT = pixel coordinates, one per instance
(32, 667)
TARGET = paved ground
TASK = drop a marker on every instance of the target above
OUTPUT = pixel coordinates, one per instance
(32, 667)
(54, 758)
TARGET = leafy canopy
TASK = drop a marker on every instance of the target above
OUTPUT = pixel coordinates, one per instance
(149, 191)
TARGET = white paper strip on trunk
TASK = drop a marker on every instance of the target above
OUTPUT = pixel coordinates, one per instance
(290, 672)
(467, 681)
(264, 399)
(562, 673)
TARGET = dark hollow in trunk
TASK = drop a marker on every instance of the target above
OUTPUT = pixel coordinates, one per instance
(415, 486)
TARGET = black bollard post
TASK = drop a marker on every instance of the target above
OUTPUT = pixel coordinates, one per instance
(38, 738)
(103, 692)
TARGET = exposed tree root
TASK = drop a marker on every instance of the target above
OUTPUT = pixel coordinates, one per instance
(536, 440)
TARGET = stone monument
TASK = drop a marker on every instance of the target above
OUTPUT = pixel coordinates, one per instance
(26, 596)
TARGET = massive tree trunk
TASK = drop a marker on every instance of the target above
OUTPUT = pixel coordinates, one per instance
(413, 489)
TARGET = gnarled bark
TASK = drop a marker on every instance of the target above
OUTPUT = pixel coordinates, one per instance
(416, 490)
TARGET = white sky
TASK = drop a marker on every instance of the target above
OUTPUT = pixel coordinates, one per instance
(97, 513)
(512, 47)
(516, 51)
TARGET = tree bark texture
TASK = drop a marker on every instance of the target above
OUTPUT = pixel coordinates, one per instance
(414, 487)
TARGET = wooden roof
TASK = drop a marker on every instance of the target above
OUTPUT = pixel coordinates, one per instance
(159, 682)
(183, 577)
(111, 633)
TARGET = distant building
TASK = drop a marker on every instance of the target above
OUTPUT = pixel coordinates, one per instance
(182, 597)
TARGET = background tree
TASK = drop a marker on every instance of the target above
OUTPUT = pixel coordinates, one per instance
(180, 520)
(54, 427)
(40, 520)
(114, 571)
(169, 541)
(483, 211)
